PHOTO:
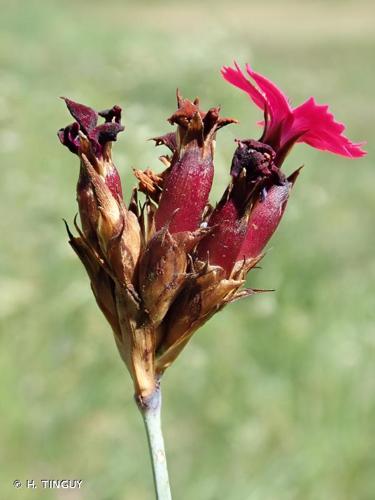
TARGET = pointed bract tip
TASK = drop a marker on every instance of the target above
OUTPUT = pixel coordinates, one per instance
(70, 234)
(293, 176)
(179, 98)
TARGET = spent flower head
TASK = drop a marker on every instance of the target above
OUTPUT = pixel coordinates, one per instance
(161, 267)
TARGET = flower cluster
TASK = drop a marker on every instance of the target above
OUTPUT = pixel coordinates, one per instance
(162, 267)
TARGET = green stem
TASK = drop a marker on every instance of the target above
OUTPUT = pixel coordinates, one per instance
(151, 411)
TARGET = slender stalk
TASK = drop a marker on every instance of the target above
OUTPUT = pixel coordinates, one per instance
(151, 413)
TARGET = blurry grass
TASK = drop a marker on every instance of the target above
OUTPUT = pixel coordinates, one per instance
(274, 398)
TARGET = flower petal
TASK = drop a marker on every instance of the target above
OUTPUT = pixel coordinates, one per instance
(238, 79)
(277, 101)
(322, 131)
(107, 132)
(84, 115)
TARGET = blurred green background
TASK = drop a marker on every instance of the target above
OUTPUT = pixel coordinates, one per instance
(274, 397)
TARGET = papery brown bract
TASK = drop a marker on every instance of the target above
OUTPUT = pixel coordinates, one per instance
(204, 295)
(162, 270)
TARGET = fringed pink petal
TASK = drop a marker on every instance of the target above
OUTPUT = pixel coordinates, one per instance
(278, 104)
(320, 130)
(238, 79)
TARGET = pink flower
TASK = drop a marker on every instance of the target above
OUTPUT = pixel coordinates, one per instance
(284, 125)
(253, 205)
